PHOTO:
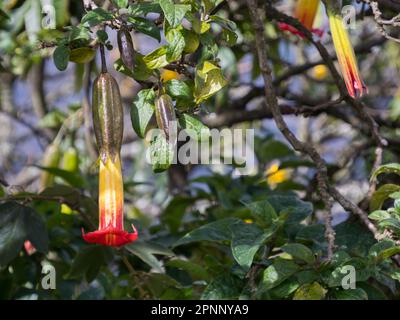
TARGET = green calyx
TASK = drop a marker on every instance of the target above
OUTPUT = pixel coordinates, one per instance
(107, 116)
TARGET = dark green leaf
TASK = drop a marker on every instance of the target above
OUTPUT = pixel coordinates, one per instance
(145, 26)
(299, 251)
(142, 110)
(61, 57)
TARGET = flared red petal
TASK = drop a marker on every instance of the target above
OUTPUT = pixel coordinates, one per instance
(111, 236)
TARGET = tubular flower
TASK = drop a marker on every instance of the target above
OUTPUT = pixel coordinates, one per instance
(306, 11)
(108, 126)
(346, 56)
(111, 213)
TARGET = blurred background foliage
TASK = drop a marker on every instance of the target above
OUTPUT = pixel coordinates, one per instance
(205, 231)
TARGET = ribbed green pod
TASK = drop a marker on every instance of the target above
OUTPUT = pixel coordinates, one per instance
(125, 46)
(165, 113)
(107, 116)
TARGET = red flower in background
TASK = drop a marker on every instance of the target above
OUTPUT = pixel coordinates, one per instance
(306, 11)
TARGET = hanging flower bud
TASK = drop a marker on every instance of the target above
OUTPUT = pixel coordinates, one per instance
(125, 46)
(165, 116)
(306, 11)
(346, 57)
(108, 125)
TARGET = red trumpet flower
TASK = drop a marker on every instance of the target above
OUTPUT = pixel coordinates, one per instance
(306, 11)
(111, 214)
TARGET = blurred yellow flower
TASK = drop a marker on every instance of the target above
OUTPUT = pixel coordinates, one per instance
(275, 175)
(167, 75)
(320, 72)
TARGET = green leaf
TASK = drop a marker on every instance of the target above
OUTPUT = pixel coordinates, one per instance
(194, 127)
(144, 8)
(196, 271)
(17, 224)
(121, 3)
(176, 44)
(354, 238)
(380, 247)
(379, 215)
(285, 289)
(351, 294)
(157, 58)
(72, 178)
(95, 17)
(291, 207)
(299, 251)
(179, 89)
(61, 57)
(175, 210)
(263, 212)
(246, 240)
(142, 110)
(145, 26)
(223, 287)
(209, 5)
(208, 81)
(88, 261)
(225, 23)
(146, 251)
(387, 168)
(276, 273)
(215, 231)
(161, 153)
(383, 193)
(82, 55)
(310, 291)
(174, 13)
(338, 274)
